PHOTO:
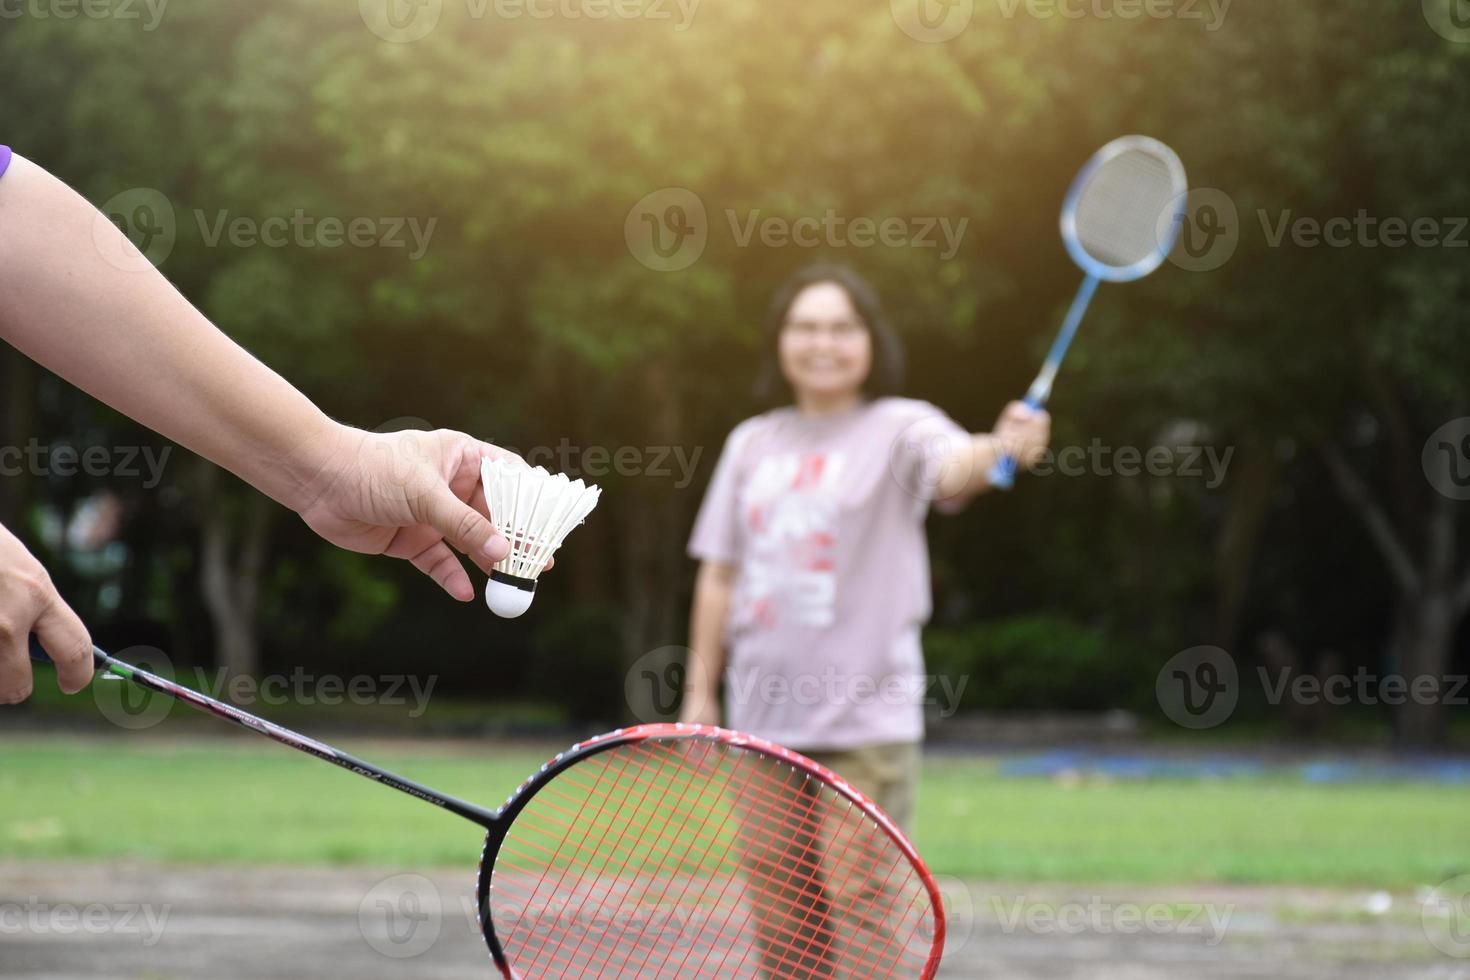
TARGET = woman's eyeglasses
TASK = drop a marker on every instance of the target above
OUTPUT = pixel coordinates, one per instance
(812, 329)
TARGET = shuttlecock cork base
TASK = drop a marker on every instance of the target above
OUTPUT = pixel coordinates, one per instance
(535, 510)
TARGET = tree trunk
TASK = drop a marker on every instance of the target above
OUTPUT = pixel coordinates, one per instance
(1248, 506)
(653, 555)
(1423, 645)
(232, 557)
(1432, 599)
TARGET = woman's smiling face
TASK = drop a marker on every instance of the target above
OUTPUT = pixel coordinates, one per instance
(826, 349)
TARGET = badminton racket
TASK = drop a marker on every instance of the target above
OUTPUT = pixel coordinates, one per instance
(673, 851)
(1119, 222)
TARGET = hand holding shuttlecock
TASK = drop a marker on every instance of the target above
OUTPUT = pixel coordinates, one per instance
(535, 510)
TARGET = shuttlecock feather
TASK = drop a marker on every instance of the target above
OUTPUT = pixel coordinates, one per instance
(535, 510)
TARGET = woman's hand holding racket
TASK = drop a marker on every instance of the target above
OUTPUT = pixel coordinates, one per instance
(1022, 433)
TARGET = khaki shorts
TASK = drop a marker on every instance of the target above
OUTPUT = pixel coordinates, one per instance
(886, 774)
(809, 923)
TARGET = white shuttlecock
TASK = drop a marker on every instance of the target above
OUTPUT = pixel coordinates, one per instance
(535, 510)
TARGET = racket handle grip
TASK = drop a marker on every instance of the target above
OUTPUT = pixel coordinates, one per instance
(38, 652)
(1002, 474)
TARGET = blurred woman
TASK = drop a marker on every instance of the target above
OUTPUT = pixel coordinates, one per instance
(814, 571)
(813, 587)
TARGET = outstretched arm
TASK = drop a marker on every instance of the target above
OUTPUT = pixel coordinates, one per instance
(76, 296)
(126, 336)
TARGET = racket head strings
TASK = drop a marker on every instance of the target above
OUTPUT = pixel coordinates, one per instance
(716, 855)
(1123, 213)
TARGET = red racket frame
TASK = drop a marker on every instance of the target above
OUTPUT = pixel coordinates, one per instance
(505, 816)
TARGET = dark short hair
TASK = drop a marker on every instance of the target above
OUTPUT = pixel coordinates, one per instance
(885, 377)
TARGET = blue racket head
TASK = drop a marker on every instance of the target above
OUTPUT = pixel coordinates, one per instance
(1122, 216)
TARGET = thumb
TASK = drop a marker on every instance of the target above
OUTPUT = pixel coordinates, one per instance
(464, 527)
(1020, 411)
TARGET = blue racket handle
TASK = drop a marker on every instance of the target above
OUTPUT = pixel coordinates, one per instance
(1003, 473)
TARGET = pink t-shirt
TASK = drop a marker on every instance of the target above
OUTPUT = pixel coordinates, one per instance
(823, 519)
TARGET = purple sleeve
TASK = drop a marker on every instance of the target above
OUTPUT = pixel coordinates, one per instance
(716, 534)
(4, 159)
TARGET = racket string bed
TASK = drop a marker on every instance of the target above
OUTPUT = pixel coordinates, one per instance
(781, 968)
(1119, 208)
(675, 859)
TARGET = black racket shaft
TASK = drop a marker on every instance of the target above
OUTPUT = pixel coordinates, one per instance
(105, 663)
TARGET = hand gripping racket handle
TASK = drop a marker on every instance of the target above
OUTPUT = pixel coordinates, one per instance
(1003, 471)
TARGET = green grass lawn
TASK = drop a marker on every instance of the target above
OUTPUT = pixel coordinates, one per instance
(239, 800)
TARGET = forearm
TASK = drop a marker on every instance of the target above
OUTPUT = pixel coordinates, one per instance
(707, 633)
(967, 471)
(127, 337)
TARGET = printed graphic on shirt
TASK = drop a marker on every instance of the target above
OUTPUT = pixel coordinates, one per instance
(790, 509)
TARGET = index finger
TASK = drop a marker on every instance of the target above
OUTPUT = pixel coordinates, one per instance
(68, 644)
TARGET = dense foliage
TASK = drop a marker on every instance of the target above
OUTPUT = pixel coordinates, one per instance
(1316, 372)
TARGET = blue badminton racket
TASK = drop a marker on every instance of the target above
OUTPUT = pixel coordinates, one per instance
(1119, 222)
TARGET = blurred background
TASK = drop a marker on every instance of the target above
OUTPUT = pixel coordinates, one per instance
(557, 226)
